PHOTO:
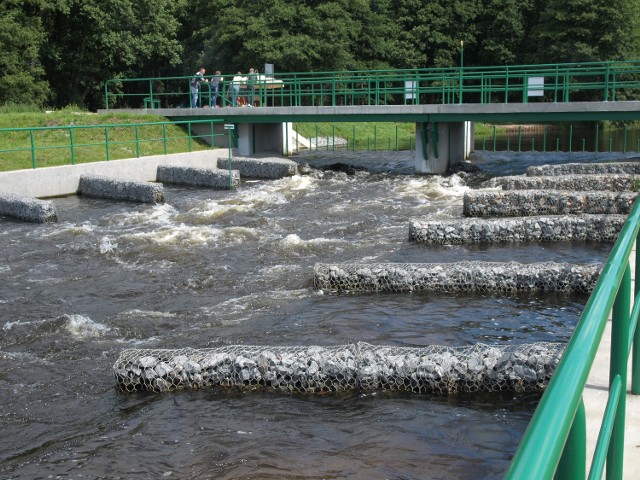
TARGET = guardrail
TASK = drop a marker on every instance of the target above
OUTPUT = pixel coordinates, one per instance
(595, 81)
(71, 144)
(555, 440)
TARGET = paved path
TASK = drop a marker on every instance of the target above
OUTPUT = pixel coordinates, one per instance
(595, 400)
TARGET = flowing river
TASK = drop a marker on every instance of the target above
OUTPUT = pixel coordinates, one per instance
(212, 268)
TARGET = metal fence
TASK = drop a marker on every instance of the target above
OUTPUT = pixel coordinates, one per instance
(555, 441)
(34, 147)
(595, 81)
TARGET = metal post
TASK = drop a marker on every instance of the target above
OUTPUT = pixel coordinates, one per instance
(544, 139)
(33, 149)
(494, 138)
(375, 138)
(137, 142)
(461, 68)
(519, 138)
(618, 366)
(164, 137)
(570, 137)
(106, 141)
(635, 363)
(573, 462)
(73, 159)
(597, 137)
(333, 135)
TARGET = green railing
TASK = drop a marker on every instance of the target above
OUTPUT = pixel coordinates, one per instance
(555, 440)
(595, 81)
(71, 144)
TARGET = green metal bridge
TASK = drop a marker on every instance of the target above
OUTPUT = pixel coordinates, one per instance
(554, 92)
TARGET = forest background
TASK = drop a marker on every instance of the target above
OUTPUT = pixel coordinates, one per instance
(57, 53)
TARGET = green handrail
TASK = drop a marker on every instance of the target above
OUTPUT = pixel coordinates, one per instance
(469, 84)
(68, 136)
(538, 456)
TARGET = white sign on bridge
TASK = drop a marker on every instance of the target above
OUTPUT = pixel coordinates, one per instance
(229, 126)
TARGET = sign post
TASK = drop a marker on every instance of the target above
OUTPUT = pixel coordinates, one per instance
(228, 127)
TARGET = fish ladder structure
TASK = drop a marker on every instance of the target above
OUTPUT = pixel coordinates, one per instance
(552, 228)
(518, 203)
(344, 368)
(585, 168)
(579, 182)
(459, 277)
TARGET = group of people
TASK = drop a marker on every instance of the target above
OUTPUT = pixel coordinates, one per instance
(238, 98)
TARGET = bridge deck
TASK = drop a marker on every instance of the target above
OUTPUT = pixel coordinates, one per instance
(493, 113)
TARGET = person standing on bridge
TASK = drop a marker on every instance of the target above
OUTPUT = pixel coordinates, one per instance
(214, 84)
(197, 79)
(237, 81)
(252, 78)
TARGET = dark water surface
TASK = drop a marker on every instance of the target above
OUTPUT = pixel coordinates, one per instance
(215, 268)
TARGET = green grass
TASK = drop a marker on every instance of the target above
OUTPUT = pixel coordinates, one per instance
(52, 146)
(366, 136)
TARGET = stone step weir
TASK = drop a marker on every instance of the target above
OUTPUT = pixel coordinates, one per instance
(117, 189)
(522, 203)
(27, 208)
(267, 167)
(578, 182)
(459, 277)
(198, 177)
(342, 368)
(550, 228)
(585, 168)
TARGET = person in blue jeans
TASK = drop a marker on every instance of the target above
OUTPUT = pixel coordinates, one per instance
(197, 79)
(237, 81)
(214, 85)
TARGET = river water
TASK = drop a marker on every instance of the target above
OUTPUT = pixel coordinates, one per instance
(211, 268)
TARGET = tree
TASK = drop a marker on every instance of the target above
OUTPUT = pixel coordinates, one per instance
(585, 31)
(90, 42)
(22, 79)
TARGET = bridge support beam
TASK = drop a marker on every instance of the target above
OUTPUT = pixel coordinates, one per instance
(442, 145)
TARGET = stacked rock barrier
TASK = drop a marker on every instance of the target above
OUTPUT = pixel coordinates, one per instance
(27, 208)
(198, 177)
(552, 228)
(315, 369)
(586, 168)
(113, 188)
(459, 277)
(267, 167)
(582, 182)
(522, 203)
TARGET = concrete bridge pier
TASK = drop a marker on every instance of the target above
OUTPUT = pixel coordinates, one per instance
(442, 145)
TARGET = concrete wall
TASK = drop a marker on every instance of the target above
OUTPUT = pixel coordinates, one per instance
(64, 180)
(452, 146)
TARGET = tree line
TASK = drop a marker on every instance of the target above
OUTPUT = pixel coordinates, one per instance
(60, 52)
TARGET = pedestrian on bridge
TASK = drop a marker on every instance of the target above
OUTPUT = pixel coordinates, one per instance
(197, 79)
(214, 85)
(237, 81)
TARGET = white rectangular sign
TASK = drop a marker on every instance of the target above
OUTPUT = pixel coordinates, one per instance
(535, 87)
(229, 126)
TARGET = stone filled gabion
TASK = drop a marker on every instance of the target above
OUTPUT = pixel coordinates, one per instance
(268, 167)
(27, 208)
(553, 228)
(315, 369)
(584, 182)
(199, 177)
(585, 168)
(469, 276)
(113, 188)
(521, 203)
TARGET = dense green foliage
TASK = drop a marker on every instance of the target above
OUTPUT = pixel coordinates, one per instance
(61, 52)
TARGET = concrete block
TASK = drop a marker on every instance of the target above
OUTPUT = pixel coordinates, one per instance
(582, 182)
(521, 203)
(585, 168)
(117, 189)
(27, 208)
(267, 167)
(552, 228)
(199, 177)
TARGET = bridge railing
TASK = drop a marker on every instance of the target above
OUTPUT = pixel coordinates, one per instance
(596, 81)
(33, 147)
(554, 443)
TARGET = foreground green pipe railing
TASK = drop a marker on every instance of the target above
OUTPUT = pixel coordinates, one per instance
(548, 434)
(598, 81)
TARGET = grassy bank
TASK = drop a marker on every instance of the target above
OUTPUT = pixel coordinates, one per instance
(87, 133)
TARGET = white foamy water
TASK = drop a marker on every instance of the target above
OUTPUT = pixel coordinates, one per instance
(81, 327)
(107, 245)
